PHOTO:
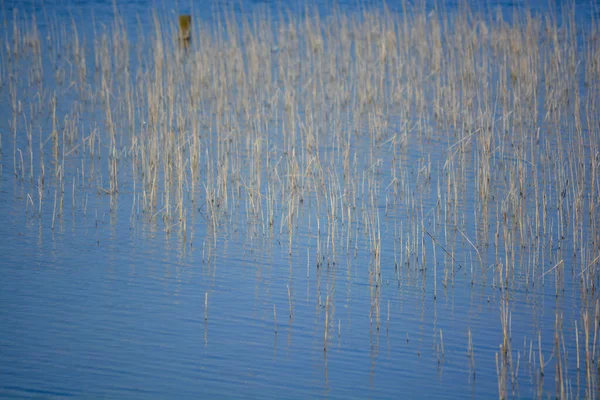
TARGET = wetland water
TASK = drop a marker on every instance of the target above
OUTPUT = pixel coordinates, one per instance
(372, 201)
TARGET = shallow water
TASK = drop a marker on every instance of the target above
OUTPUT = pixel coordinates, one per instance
(101, 297)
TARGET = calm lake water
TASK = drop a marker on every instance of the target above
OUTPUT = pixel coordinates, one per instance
(392, 276)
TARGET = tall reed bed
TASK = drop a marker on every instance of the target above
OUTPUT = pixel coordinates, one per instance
(446, 143)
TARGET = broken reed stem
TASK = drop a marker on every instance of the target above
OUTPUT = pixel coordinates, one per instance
(577, 344)
(206, 306)
(541, 355)
(441, 246)
(54, 210)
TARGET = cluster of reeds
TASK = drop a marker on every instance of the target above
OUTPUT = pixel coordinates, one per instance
(466, 140)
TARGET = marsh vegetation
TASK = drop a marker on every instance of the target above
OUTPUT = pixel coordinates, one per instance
(446, 153)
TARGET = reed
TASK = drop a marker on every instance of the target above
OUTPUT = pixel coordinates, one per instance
(206, 306)
(330, 126)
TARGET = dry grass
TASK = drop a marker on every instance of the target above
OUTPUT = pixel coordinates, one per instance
(477, 132)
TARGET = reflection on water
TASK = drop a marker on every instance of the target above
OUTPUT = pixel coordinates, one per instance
(321, 202)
